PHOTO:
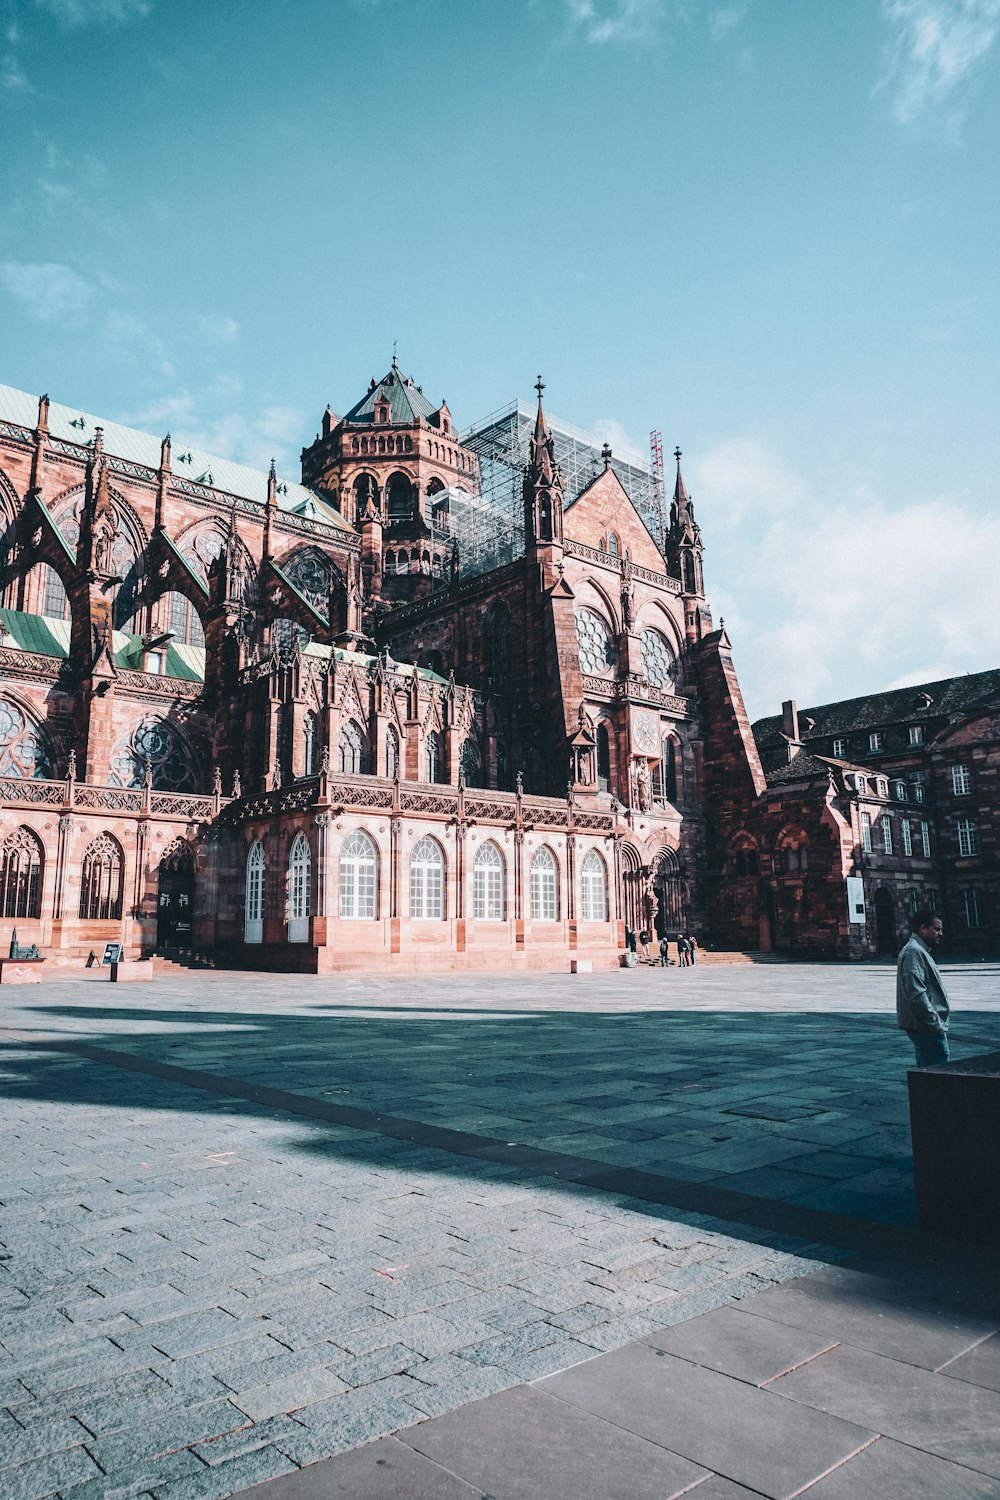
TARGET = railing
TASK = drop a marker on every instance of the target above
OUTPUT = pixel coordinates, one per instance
(80, 796)
(648, 575)
(636, 690)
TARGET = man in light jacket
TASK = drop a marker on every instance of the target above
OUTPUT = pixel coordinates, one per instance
(922, 1008)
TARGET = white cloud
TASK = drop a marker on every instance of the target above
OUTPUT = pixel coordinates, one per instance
(95, 12)
(934, 45)
(725, 20)
(202, 422)
(47, 290)
(622, 443)
(829, 596)
(13, 79)
(216, 328)
(616, 21)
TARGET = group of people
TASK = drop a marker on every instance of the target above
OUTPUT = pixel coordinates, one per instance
(687, 948)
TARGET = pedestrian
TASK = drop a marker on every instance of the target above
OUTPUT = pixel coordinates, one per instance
(683, 951)
(644, 942)
(692, 950)
(630, 939)
(922, 1008)
(664, 953)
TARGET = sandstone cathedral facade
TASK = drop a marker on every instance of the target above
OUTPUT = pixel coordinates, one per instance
(289, 724)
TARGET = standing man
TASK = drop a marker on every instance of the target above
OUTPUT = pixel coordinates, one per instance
(922, 1007)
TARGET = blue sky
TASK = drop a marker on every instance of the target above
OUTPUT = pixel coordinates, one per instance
(769, 229)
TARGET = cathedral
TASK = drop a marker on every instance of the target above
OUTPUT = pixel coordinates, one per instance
(313, 725)
(450, 700)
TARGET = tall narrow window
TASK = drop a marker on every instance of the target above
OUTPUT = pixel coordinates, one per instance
(427, 881)
(839, 749)
(668, 752)
(358, 877)
(253, 917)
(968, 838)
(544, 887)
(961, 781)
(488, 885)
(310, 738)
(21, 875)
(907, 838)
(391, 753)
(603, 759)
(866, 833)
(925, 841)
(469, 763)
(876, 742)
(916, 734)
(593, 888)
(973, 908)
(299, 892)
(103, 880)
(352, 750)
(887, 835)
(432, 756)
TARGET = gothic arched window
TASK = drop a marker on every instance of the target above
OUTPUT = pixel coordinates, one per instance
(299, 889)
(603, 759)
(544, 886)
(597, 649)
(21, 863)
(358, 877)
(489, 885)
(352, 750)
(432, 756)
(399, 505)
(657, 660)
(614, 546)
(24, 752)
(427, 880)
(469, 762)
(157, 743)
(253, 919)
(103, 880)
(498, 642)
(593, 888)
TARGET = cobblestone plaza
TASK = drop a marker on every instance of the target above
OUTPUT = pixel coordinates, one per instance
(252, 1221)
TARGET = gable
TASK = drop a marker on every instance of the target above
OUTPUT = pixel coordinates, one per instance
(605, 506)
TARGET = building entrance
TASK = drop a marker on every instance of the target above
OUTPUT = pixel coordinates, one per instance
(175, 896)
(885, 921)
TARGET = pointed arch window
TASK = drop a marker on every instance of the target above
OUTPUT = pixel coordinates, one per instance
(614, 545)
(24, 752)
(432, 756)
(299, 889)
(427, 881)
(103, 880)
(358, 877)
(489, 885)
(544, 886)
(658, 664)
(668, 768)
(253, 919)
(603, 759)
(21, 863)
(593, 888)
(352, 750)
(391, 753)
(469, 762)
(498, 642)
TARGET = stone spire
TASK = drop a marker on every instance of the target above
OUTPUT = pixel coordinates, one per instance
(543, 484)
(684, 547)
(270, 509)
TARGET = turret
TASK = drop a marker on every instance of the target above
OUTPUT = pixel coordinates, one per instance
(543, 485)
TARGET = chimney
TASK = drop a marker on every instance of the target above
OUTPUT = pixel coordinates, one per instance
(790, 719)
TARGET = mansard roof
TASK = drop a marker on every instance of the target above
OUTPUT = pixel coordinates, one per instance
(947, 697)
(802, 767)
(45, 636)
(70, 425)
(407, 402)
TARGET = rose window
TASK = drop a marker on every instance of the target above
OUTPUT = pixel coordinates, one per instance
(597, 651)
(657, 660)
(23, 751)
(169, 762)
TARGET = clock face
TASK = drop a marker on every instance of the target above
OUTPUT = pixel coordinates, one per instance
(645, 731)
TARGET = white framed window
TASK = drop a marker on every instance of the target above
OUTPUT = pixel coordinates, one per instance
(876, 741)
(918, 791)
(299, 889)
(861, 785)
(154, 663)
(489, 885)
(973, 908)
(916, 734)
(253, 913)
(866, 833)
(881, 787)
(887, 835)
(907, 838)
(912, 900)
(358, 877)
(839, 749)
(899, 791)
(593, 888)
(925, 841)
(968, 838)
(961, 781)
(544, 886)
(427, 881)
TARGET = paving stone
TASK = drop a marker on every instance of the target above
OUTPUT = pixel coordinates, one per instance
(287, 1394)
(385, 1470)
(46, 1474)
(980, 1366)
(225, 1479)
(752, 1349)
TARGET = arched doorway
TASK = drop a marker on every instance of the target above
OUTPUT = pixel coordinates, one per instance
(671, 895)
(885, 921)
(175, 896)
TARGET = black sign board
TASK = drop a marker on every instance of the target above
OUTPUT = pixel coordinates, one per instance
(112, 953)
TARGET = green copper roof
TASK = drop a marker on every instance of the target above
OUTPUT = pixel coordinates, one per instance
(48, 637)
(72, 426)
(407, 403)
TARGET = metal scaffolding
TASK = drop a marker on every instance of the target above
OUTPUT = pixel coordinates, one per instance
(489, 526)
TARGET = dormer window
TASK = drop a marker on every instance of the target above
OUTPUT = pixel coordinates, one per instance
(881, 787)
(876, 742)
(916, 734)
(839, 749)
(155, 663)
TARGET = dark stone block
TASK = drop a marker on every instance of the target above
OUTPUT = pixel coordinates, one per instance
(955, 1128)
